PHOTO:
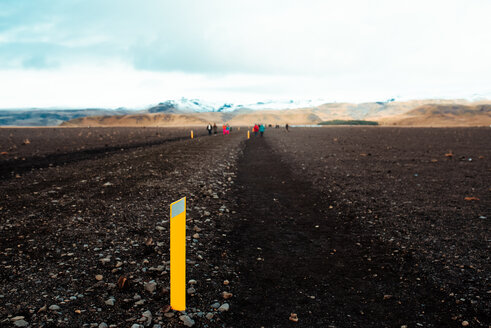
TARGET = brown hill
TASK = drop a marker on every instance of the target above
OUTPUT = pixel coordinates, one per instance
(443, 115)
(146, 120)
(291, 116)
(408, 113)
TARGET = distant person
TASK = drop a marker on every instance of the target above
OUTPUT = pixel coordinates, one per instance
(215, 129)
(224, 129)
(286, 126)
(255, 129)
(209, 128)
(228, 129)
(261, 129)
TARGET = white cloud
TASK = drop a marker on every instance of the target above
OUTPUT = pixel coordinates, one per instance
(129, 53)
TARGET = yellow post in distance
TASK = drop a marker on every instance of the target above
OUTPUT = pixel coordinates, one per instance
(192, 136)
(178, 255)
(248, 134)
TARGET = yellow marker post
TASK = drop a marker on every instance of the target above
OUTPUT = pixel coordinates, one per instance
(248, 134)
(178, 255)
(192, 135)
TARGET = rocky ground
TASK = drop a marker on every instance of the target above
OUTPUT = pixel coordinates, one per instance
(416, 205)
(23, 149)
(328, 227)
(71, 232)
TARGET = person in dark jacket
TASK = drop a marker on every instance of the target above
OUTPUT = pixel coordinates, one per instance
(215, 128)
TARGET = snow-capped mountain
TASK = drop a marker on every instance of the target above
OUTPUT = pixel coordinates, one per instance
(199, 106)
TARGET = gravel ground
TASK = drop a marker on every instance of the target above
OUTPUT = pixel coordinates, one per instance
(327, 227)
(23, 149)
(423, 193)
(70, 231)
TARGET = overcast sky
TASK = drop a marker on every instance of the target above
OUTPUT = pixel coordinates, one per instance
(113, 53)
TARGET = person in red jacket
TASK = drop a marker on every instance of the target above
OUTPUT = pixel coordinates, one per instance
(255, 129)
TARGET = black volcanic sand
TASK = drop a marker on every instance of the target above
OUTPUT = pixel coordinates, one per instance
(365, 227)
(22, 149)
(345, 227)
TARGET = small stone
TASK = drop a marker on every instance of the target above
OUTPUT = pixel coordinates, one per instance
(105, 260)
(293, 317)
(140, 302)
(150, 286)
(226, 282)
(186, 320)
(192, 282)
(386, 297)
(215, 305)
(209, 315)
(102, 325)
(54, 307)
(191, 290)
(110, 302)
(147, 317)
(404, 326)
(135, 325)
(196, 236)
(19, 317)
(21, 323)
(169, 314)
(98, 277)
(227, 295)
(207, 213)
(224, 307)
(107, 184)
(465, 323)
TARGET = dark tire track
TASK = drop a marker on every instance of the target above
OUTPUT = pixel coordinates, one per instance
(293, 257)
(9, 168)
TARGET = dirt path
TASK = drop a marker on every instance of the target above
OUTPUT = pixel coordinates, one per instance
(294, 257)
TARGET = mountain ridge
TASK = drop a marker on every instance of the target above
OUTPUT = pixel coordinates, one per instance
(410, 113)
(194, 111)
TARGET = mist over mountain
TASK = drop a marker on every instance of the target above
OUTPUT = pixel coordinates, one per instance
(185, 105)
